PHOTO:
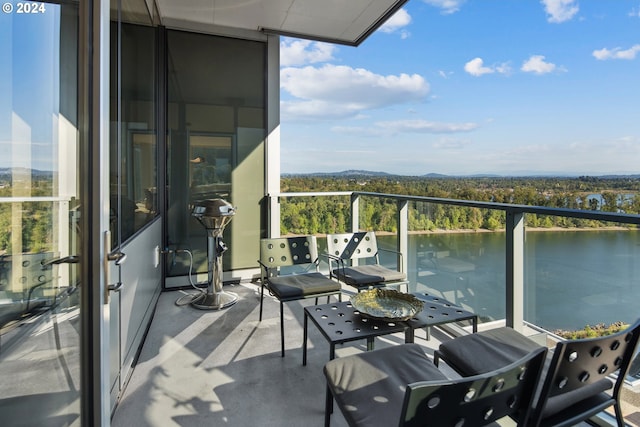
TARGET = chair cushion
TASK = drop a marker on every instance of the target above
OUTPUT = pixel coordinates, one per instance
(302, 285)
(367, 275)
(489, 350)
(370, 387)
(486, 351)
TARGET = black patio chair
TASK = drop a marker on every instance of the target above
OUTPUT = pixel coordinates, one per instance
(400, 386)
(343, 250)
(577, 381)
(302, 251)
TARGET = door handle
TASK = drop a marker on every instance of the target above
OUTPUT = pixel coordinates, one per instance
(114, 287)
(119, 257)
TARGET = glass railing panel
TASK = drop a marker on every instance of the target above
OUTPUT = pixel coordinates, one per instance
(28, 280)
(463, 265)
(459, 252)
(581, 276)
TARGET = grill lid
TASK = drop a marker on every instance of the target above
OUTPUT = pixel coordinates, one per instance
(213, 213)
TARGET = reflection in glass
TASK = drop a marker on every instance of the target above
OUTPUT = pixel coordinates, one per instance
(215, 143)
(39, 289)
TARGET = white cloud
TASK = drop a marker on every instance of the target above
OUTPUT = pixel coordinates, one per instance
(634, 13)
(617, 53)
(536, 64)
(424, 126)
(397, 22)
(476, 67)
(300, 52)
(628, 142)
(388, 128)
(560, 10)
(447, 143)
(359, 131)
(447, 6)
(503, 68)
(340, 91)
(315, 109)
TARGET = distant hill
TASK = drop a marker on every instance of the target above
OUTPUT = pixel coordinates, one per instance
(435, 175)
(364, 173)
(7, 173)
(347, 173)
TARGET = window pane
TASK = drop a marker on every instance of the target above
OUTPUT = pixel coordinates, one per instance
(216, 132)
(133, 140)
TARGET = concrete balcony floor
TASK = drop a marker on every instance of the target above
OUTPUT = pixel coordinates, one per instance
(223, 367)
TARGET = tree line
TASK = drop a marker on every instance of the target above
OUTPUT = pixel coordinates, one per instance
(313, 215)
(33, 220)
(319, 215)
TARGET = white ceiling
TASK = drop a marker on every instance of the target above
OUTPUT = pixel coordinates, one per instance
(338, 21)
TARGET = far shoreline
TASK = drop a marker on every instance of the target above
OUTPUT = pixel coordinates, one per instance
(502, 230)
(484, 230)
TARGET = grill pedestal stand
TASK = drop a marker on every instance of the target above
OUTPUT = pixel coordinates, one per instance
(214, 215)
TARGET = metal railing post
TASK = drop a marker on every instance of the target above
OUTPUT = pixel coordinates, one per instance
(515, 269)
(355, 213)
(403, 235)
(273, 207)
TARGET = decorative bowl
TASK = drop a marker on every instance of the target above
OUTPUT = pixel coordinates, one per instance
(386, 304)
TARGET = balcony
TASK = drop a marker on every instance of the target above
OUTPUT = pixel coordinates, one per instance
(224, 367)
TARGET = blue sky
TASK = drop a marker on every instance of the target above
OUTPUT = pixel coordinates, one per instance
(29, 80)
(510, 87)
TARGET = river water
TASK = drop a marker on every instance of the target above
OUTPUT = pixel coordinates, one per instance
(572, 278)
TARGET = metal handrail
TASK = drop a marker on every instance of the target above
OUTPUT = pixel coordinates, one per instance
(507, 207)
(34, 199)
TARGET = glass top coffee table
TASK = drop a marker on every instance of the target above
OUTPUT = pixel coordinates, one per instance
(340, 322)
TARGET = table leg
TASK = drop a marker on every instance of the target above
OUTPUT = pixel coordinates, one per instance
(475, 324)
(304, 341)
(282, 327)
(370, 343)
(332, 355)
(409, 335)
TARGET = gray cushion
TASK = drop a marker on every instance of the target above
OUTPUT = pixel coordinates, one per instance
(368, 274)
(302, 285)
(369, 387)
(486, 351)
